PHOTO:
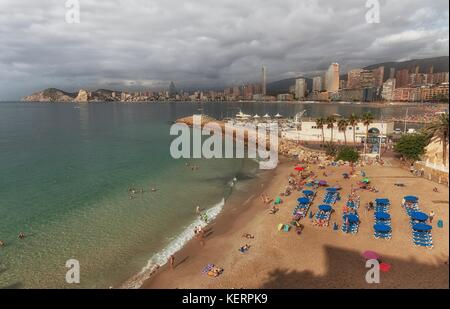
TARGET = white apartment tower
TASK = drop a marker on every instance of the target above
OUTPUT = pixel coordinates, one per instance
(332, 78)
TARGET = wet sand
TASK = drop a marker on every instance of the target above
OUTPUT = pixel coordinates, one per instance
(319, 257)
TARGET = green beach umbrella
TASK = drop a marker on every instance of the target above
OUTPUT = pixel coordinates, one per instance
(278, 200)
(366, 180)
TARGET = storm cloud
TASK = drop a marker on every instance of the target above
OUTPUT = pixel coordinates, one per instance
(144, 44)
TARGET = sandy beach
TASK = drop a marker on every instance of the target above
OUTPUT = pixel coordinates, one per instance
(319, 257)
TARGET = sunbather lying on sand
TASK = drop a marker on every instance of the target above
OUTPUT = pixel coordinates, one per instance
(248, 236)
(215, 272)
(244, 248)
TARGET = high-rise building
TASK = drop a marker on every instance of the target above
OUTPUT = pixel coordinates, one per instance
(264, 81)
(353, 78)
(300, 88)
(402, 78)
(378, 75)
(332, 78)
(317, 84)
(392, 73)
(367, 79)
(388, 89)
(172, 90)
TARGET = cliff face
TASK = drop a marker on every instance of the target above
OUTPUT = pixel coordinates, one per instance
(83, 96)
(50, 95)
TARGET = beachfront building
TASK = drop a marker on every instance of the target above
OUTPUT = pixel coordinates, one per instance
(332, 78)
(309, 132)
(300, 88)
(388, 89)
(317, 84)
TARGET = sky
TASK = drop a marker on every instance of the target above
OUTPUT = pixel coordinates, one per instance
(145, 44)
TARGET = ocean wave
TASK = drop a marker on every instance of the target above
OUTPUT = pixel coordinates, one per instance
(160, 258)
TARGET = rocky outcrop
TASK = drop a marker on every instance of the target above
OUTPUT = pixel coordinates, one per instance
(50, 95)
(83, 96)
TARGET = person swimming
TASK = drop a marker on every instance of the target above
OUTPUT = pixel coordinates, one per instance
(21, 235)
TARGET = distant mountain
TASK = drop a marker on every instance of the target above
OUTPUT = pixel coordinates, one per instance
(440, 64)
(57, 95)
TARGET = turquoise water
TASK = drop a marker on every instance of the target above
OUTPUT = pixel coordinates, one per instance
(65, 170)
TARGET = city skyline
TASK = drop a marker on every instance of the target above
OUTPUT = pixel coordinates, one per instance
(158, 42)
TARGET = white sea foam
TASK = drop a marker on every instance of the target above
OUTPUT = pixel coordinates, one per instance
(160, 258)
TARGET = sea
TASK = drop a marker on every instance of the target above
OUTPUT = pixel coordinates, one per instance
(66, 172)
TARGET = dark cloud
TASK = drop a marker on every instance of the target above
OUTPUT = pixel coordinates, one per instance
(204, 43)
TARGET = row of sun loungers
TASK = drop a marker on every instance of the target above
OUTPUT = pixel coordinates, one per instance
(421, 232)
(382, 228)
(331, 197)
(350, 220)
(304, 203)
(322, 217)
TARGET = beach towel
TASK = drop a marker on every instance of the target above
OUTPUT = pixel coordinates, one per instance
(440, 224)
(286, 228)
(280, 226)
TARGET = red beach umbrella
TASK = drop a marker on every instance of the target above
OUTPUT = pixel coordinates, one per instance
(384, 267)
(299, 168)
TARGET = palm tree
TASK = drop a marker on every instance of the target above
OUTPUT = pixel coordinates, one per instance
(342, 127)
(438, 131)
(367, 120)
(353, 122)
(320, 122)
(330, 121)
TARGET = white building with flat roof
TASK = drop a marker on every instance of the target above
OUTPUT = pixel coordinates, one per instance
(309, 132)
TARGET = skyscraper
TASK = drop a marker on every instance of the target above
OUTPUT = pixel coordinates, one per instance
(367, 79)
(264, 81)
(332, 78)
(172, 90)
(392, 73)
(300, 88)
(402, 78)
(353, 78)
(378, 75)
(317, 84)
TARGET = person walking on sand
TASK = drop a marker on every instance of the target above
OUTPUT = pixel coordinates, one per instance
(431, 216)
(172, 261)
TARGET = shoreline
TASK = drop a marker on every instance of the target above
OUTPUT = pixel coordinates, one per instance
(228, 219)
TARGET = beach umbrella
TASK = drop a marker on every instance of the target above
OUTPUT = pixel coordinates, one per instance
(411, 198)
(322, 182)
(382, 201)
(366, 180)
(278, 116)
(326, 208)
(421, 227)
(370, 255)
(309, 184)
(419, 216)
(266, 116)
(383, 228)
(278, 200)
(385, 267)
(308, 192)
(382, 216)
(352, 218)
(256, 116)
(303, 200)
(299, 168)
(331, 189)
